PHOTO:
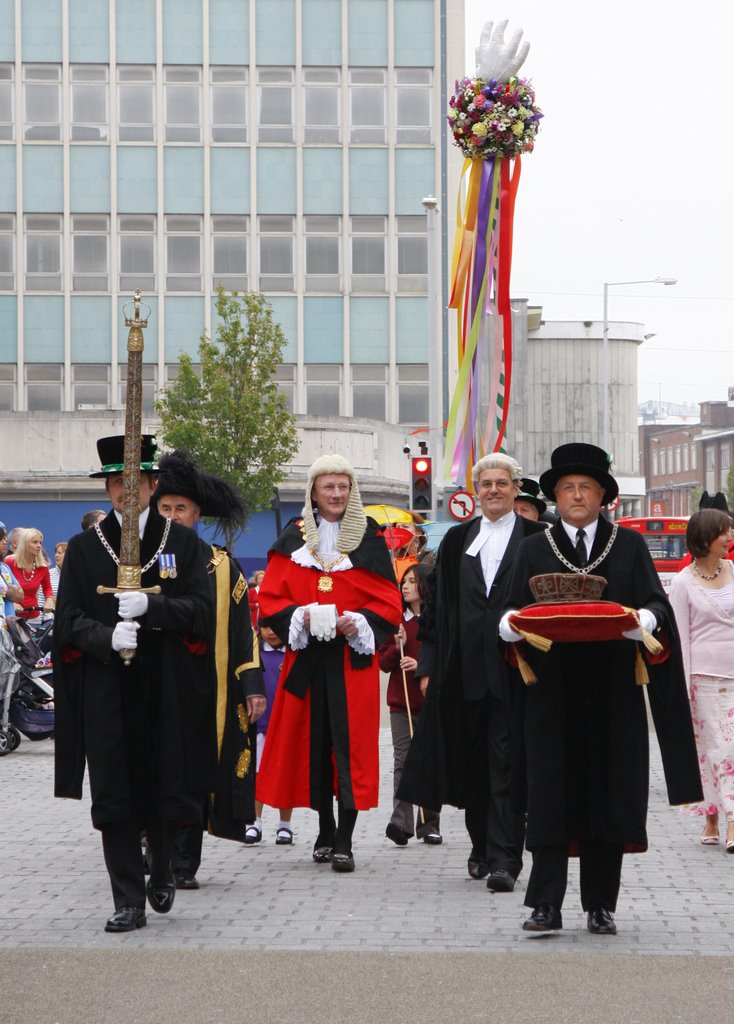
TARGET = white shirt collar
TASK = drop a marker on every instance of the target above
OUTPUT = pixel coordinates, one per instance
(141, 521)
(589, 530)
(501, 523)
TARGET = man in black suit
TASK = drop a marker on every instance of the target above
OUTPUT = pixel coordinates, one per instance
(581, 770)
(460, 754)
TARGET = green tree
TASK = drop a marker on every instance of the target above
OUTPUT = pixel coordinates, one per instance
(231, 417)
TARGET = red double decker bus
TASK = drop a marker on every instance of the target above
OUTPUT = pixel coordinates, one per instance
(665, 537)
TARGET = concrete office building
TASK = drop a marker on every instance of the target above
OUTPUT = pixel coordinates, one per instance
(283, 146)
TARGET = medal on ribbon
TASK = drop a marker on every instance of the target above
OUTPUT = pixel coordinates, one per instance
(167, 566)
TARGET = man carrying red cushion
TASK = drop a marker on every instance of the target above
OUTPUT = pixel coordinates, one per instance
(581, 770)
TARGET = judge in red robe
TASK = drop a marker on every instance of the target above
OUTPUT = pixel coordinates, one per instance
(330, 594)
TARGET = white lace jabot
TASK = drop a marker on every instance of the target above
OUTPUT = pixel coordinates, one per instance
(328, 536)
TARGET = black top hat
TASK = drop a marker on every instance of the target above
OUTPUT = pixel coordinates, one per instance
(530, 491)
(582, 459)
(718, 502)
(179, 474)
(111, 451)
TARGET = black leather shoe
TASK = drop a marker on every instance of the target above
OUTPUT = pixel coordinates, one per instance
(545, 918)
(501, 881)
(161, 897)
(477, 868)
(433, 839)
(599, 921)
(126, 919)
(322, 854)
(342, 862)
(398, 835)
(185, 880)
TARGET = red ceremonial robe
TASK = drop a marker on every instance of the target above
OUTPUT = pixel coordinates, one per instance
(288, 774)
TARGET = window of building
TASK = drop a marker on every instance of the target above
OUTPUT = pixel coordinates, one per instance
(8, 373)
(285, 378)
(369, 390)
(90, 385)
(43, 252)
(412, 254)
(150, 379)
(367, 105)
(694, 457)
(275, 104)
(321, 96)
(413, 393)
(136, 233)
(229, 253)
(135, 103)
(677, 459)
(724, 456)
(172, 371)
(323, 248)
(710, 457)
(7, 252)
(182, 97)
(368, 254)
(229, 104)
(7, 91)
(276, 253)
(654, 462)
(685, 458)
(89, 118)
(413, 105)
(90, 252)
(183, 253)
(44, 384)
(42, 102)
(323, 389)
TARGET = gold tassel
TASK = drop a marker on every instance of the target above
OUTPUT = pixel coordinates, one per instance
(641, 676)
(541, 643)
(528, 676)
(651, 644)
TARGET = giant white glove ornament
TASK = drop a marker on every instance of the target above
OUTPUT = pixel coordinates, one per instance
(497, 59)
(648, 623)
(507, 633)
(124, 636)
(132, 604)
(323, 621)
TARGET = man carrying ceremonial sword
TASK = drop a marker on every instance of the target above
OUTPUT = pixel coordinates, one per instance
(133, 621)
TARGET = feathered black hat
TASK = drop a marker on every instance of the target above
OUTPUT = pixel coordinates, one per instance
(718, 502)
(179, 474)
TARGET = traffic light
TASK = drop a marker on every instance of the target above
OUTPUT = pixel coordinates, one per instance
(421, 484)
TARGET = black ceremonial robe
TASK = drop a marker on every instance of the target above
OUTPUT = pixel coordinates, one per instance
(582, 766)
(145, 730)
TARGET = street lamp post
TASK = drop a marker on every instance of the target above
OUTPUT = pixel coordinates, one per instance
(605, 347)
(435, 367)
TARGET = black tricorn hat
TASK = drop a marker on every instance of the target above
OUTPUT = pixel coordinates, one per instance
(582, 459)
(179, 474)
(111, 452)
(530, 491)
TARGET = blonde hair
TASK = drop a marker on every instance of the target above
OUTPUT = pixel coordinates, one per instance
(23, 558)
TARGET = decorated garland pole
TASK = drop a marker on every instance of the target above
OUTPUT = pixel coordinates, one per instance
(494, 118)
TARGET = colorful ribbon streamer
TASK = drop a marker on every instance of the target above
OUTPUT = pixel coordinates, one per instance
(481, 266)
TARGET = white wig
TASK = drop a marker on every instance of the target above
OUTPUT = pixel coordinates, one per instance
(496, 460)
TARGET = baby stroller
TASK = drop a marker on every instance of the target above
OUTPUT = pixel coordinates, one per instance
(9, 678)
(31, 710)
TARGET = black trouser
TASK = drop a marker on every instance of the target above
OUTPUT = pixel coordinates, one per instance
(186, 853)
(337, 834)
(496, 831)
(600, 866)
(121, 846)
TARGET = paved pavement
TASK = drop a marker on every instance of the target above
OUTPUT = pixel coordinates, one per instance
(409, 936)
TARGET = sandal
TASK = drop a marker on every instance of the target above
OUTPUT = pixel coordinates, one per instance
(253, 835)
(709, 840)
(284, 836)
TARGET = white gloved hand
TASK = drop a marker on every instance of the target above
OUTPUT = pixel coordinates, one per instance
(132, 604)
(497, 59)
(507, 633)
(124, 636)
(648, 622)
(323, 621)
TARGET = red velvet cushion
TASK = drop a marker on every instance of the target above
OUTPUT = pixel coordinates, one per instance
(575, 622)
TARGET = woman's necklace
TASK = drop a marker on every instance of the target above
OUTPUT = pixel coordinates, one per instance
(703, 574)
(26, 577)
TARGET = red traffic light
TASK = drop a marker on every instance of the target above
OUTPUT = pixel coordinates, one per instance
(421, 485)
(421, 465)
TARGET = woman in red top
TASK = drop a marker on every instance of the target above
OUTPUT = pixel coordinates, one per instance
(31, 572)
(401, 666)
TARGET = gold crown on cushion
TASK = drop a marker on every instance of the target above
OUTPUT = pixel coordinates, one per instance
(564, 587)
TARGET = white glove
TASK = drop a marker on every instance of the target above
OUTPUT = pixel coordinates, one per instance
(132, 604)
(323, 621)
(507, 633)
(124, 636)
(497, 59)
(648, 622)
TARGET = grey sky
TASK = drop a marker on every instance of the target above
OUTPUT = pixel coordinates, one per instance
(631, 177)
